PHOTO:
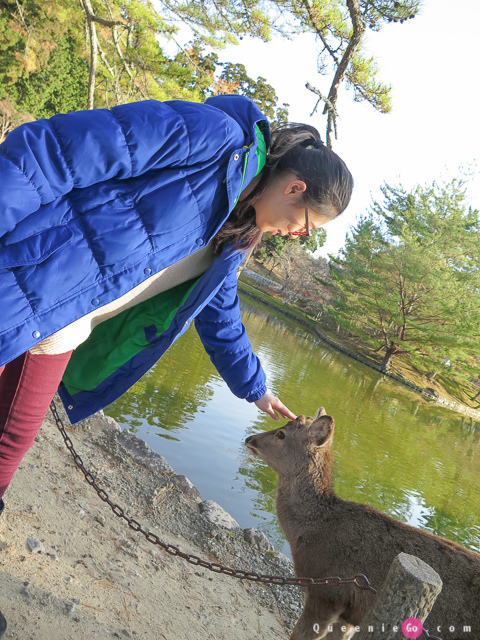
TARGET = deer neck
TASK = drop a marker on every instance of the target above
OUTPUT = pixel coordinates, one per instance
(304, 497)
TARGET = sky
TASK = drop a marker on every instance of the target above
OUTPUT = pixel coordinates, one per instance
(432, 63)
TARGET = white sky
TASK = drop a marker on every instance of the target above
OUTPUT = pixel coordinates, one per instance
(432, 64)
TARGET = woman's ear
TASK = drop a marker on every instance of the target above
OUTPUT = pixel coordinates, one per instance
(294, 186)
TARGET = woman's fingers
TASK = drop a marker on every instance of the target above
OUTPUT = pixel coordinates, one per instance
(273, 406)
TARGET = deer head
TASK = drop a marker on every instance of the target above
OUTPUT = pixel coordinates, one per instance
(290, 449)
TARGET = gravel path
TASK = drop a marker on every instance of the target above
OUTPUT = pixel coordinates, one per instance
(70, 569)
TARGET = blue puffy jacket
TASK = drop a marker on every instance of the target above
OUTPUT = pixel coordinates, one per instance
(94, 202)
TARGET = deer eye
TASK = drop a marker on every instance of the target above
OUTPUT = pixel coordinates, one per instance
(280, 435)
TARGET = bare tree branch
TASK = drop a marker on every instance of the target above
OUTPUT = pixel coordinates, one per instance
(319, 32)
(87, 7)
(330, 108)
(108, 23)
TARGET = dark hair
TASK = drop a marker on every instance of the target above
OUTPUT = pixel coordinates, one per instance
(297, 149)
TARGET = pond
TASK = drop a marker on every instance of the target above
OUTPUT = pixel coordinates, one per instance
(414, 461)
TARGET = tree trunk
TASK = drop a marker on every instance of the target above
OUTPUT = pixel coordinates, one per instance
(389, 353)
(354, 43)
(93, 51)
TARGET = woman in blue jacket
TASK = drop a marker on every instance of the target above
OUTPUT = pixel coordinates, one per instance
(118, 228)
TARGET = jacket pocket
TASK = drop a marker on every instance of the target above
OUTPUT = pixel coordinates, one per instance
(34, 249)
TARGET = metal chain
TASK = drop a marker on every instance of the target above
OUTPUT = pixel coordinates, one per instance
(358, 580)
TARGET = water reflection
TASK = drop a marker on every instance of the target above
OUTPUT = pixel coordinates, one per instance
(416, 462)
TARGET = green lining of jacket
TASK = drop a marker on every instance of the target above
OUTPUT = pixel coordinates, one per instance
(261, 153)
(261, 149)
(115, 341)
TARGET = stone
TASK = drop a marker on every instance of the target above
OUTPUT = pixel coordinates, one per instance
(216, 515)
(431, 392)
(283, 560)
(258, 540)
(34, 545)
(186, 487)
(141, 453)
(69, 607)
(4, 545)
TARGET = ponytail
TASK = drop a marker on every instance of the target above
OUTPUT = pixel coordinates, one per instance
(298, 149)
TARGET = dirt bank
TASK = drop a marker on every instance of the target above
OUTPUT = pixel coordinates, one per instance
(70, 569)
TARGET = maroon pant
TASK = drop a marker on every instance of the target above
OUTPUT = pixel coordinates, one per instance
(27, 386)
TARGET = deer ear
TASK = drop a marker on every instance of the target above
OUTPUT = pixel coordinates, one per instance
(320, 412)
(321, 430)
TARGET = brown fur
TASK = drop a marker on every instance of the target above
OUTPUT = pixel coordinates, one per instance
(329, 536)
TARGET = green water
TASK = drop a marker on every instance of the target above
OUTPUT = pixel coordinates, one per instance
(416, 462)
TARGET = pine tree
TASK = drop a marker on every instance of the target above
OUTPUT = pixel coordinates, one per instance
(340, 27)
(407, 281)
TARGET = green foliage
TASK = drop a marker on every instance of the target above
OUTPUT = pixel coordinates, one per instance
(212, 77)
(43, 69)
(407, 281)
(377, 13)
(235, 79)
(362, 78)
(220, 22)
(58, 87)
(315, 240)
(272, 247)
(45, 55)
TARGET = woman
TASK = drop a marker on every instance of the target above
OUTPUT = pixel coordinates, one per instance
(117, 228)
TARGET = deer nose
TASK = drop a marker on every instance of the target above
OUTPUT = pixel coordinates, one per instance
(249, 439)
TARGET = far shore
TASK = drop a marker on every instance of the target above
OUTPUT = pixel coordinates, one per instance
(429, 394)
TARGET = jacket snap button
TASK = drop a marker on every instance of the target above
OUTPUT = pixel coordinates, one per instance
(36, 334)
(236, 157)
(199, 241)
(70, 407)
(147, 271)
(95, 302)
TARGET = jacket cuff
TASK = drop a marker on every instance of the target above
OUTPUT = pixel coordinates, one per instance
(257, 394)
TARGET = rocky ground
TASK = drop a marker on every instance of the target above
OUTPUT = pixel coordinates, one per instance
(71, 569)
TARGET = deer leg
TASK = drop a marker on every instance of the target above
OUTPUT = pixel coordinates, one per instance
(314, 625)
(338, 634)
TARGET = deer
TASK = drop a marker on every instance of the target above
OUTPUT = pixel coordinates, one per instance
(330, 536)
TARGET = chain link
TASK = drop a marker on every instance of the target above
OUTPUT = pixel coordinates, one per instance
(360, 581)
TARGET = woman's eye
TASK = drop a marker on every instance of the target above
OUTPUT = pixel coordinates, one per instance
(280, 435)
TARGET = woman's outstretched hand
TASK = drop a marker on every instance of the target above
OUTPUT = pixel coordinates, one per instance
(270, 404)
